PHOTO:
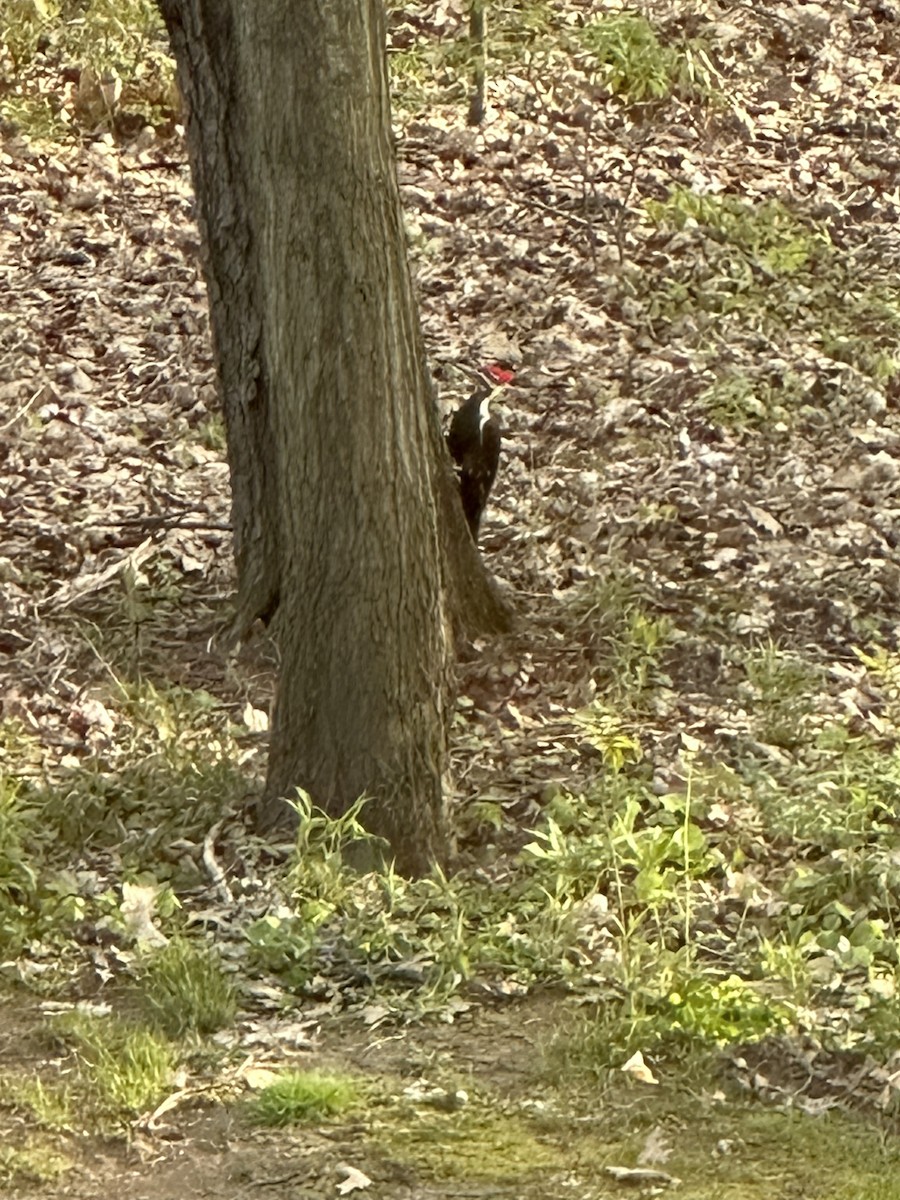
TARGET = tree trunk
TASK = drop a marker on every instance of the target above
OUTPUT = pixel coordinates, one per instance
(341, 483)
(206, 42)
(478, 40)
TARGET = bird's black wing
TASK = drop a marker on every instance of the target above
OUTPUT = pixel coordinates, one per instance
(477, 473)
(464, 427)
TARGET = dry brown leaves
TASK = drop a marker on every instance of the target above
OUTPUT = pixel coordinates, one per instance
(532, 242)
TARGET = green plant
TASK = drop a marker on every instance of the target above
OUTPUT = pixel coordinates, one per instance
(626, 640)
(863, 331)
(883, 667)
(287, 945)
(634, 63)
(785, 961)
(51, 1106)
(649, 862)
(123, 1069)
(768, 232)
(210, 433)
(18, 872)
(669, 1008)
(327, 851)
(186, 990)
(421, 939)
(303, 1096)
(837, 792)
(171, 771)
(38, 1161)
(428, 71)
(723, 1012)
(326, 887)
(634, 663)
(121, 53)
(21, 26)
(739, 400)
(435, 68)
(647, 845)
(605, 731)
(782, 690)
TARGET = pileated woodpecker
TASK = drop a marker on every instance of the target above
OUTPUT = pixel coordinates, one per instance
(474, 445)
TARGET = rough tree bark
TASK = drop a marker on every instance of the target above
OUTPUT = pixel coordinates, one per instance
(345, 513)
(478, 37)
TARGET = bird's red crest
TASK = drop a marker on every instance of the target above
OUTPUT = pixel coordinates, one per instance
(497, 374)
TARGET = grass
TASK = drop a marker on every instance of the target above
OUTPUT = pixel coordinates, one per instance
(741, 273)
(121, 1069)
(36, 1161)
(51, 1107)
(303, 1096)
(185, 990)
(739, 401)
(478, 1143)
(610, 895)
(628, 640)
(164, 770)
(672, 1013)
(614, 885)
(716, 1148)
(18, 870)
(781, 690)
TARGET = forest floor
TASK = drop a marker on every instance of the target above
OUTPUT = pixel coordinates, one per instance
(676, 784)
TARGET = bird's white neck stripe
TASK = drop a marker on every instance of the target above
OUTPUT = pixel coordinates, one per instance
(484, 413)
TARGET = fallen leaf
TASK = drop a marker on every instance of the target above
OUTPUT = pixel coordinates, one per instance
(354, 1180)
(638, 1069)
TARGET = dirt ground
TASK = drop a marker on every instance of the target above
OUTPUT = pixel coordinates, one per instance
(461, 1109)
(208, 1147)
(471, 1108)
